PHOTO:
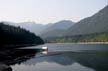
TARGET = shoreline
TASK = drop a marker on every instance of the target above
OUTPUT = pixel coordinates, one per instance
(80, 43)
(17, 46)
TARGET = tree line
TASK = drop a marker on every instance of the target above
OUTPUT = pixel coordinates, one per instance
(11, 35)
(94, 37)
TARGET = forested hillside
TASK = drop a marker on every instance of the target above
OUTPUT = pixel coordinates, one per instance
(96, 37)
(95, 24)
(56, 29)
(10, 35)
(90, 29)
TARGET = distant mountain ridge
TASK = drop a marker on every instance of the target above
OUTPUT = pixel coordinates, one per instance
(98, 23)
(63, 24)
(56, 29)
(49, 30)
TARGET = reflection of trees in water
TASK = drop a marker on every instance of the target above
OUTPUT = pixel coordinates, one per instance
(58, 58)
(97, 61)
(11, 57)
(4, 67)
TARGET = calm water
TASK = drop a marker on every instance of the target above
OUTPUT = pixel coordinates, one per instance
(60, 57)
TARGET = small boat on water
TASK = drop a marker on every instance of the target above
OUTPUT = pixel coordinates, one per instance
(45, 48)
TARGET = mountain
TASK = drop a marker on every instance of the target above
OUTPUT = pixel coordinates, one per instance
(56, 29)
(31, 26)
(95, 24)
(49, 30)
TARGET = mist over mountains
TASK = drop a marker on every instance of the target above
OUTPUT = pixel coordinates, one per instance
(57, 29)
(98, 23)
(45, 30)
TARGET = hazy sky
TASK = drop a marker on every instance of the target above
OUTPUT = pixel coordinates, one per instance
(48, 11)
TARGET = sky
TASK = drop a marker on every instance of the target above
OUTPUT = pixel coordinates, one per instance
(48, 11)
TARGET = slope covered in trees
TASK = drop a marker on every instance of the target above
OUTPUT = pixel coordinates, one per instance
(95, 24)
(96, 37)
(91, 29)
(10, 35)
(56, 29)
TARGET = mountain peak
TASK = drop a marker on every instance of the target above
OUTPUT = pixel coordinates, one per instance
(63, 24)
(56, 29)
(66, 21)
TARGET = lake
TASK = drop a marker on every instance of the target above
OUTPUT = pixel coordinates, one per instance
(59, 57)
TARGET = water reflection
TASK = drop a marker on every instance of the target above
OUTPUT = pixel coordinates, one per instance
(97, 60)
(15, 56)
(31, 57)
(45, 52)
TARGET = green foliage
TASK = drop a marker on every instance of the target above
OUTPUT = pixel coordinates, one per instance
(10, 35)
(95, 37)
